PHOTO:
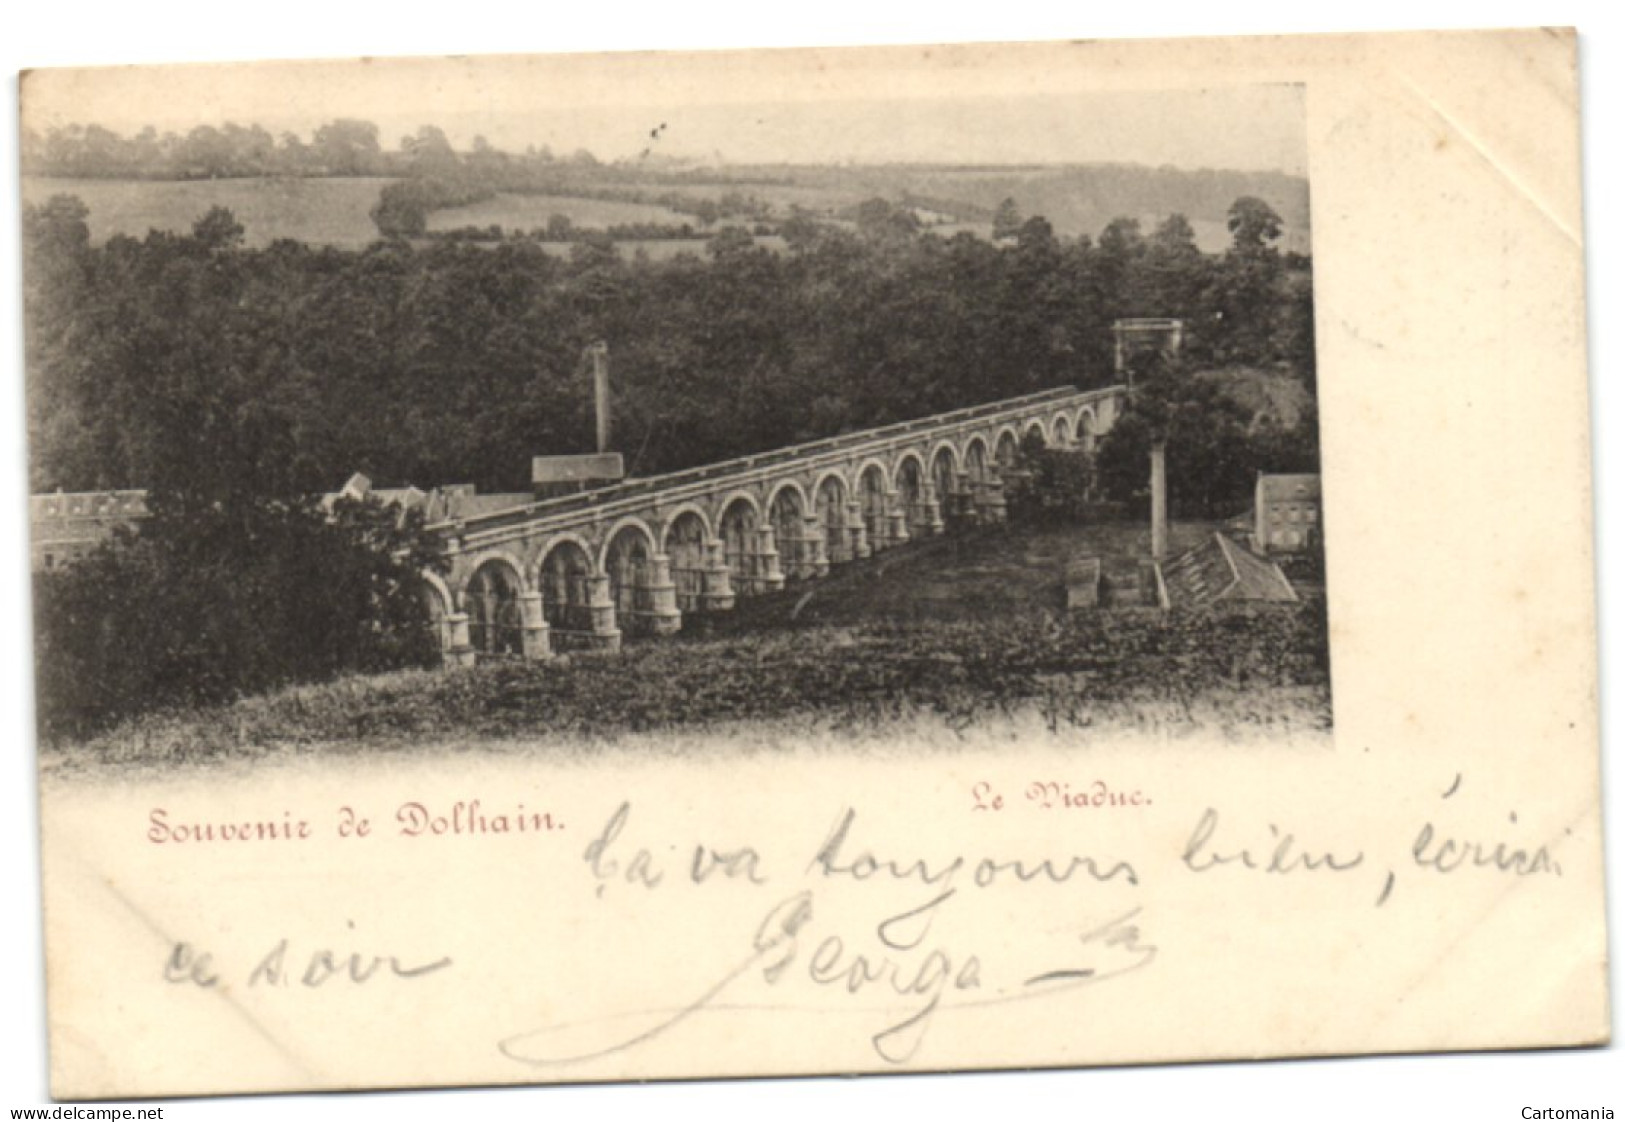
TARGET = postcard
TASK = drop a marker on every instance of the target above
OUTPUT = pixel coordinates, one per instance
(568, 569)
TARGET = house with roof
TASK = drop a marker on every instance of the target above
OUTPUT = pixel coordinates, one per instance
(1286, 513)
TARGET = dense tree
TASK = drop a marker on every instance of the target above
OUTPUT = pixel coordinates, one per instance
(429, 153)
(1253, 226)
(880, 220)
(347, 147)
(1006, 219)
(176, 366)
(1215, 446)
(1050, 486)
(402, 210)
(218, 229)
(211, 604)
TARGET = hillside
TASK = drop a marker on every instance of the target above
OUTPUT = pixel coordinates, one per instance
(945, 639)
(317, 211)
(1075, 199)
(1275, 394)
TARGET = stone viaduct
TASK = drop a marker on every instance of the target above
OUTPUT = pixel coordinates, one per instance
(634, 558)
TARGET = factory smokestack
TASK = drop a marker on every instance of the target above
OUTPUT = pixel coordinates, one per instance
(598, 355)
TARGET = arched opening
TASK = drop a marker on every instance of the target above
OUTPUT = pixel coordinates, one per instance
(566, 580)
(1006, 451)
(495, 626)
(788, 516)
(978, 474)
(737, 529)
(1061, 432)
(627, 563)
(685, 545)
(976, 462)
(831, 500)
(911, 493)
(872, 496)
(438, 626)
(944, 477)
(1035, 431)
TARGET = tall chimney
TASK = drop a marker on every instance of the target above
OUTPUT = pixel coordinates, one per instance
(599, 353)
(1159, 501)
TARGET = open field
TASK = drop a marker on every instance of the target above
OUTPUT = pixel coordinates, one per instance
(950, 636)
(659, 249)
(527, 212)
(1075, 200)
(319, 211)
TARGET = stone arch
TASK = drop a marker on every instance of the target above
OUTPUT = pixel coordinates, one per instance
(565, 577)
(677, 512)
(830, 496)
(1060, 431)
(945, 478)
(1088, 429)
(473, 563)
(945, 450)
(783, 485)
(1006, 446)
(633, 523)
(873, 484)
(685, 539)
(441, 590)
(628, 562)
(1035, 427)
(878, 465)
(910, 477)
(491, 595)
(440, 604)
(975, 459)
(739, 519)
(787, 512)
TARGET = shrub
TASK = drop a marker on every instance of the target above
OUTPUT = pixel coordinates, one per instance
(1051, 486)
(205, 605)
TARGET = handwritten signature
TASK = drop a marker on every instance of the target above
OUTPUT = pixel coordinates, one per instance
(912, 980)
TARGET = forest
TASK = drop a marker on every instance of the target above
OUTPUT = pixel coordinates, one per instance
(189, 362)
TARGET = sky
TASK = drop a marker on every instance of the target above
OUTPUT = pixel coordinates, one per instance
(876, 106)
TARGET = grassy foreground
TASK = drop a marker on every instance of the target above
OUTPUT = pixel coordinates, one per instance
(948, 635)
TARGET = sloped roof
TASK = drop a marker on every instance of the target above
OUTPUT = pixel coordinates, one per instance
(1219, 569)
(1289, 488)
(1256, 578)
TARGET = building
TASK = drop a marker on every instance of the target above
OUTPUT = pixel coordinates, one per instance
(66, 526)
(438, 504)
(1286, 513)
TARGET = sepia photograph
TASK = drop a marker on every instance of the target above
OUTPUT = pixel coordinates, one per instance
(817, 416)
(693, 564)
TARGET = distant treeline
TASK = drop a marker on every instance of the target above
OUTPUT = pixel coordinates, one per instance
(434, 174)
(342, 147)
(189, 362)
(1076, 199)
